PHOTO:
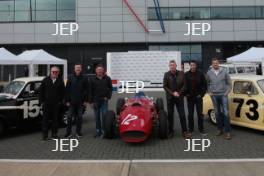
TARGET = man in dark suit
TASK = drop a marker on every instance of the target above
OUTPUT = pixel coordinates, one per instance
(76, 99)
(195, 89)
(51, 97)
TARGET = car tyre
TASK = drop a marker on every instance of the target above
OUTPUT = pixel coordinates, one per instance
(212, 116)
(163, 124)
(109, 124)
(119, 105)
(159, 104)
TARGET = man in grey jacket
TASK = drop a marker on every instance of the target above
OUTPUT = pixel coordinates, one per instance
(219, 86)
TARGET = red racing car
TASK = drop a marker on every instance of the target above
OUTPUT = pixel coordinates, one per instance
(136, 118)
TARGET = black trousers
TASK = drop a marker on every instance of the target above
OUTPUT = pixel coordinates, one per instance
(75, 110)
(198, 103)
(50, 113)
(179, 102)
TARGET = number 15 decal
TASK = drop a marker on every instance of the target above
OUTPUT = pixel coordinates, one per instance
(253, 106)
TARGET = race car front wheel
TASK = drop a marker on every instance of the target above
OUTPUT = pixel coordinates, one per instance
(163, 124)
(109, 124)
(212, 116)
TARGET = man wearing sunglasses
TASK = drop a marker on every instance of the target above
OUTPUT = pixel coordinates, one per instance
(51, 96)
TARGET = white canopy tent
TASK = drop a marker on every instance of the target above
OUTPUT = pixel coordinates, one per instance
(41, 57)
(252, 55)
(7, 58)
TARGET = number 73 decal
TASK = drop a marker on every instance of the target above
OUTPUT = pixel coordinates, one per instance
(253, 107)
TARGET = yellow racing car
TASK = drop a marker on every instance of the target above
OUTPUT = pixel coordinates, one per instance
(246, 102)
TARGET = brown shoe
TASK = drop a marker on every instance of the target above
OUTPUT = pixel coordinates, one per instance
(219, 133)
(228, 136)
(186, 135)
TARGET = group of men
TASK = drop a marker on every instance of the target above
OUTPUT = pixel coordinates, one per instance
(79, 92)
(193, 85)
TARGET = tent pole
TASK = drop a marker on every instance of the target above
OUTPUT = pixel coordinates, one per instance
(48, 69)
(65, 71)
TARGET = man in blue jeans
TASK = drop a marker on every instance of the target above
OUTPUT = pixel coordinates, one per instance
(101, 92)
(219, 86)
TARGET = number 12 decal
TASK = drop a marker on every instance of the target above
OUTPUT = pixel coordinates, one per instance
(253, 106)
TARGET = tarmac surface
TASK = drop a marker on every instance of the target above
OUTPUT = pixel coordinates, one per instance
(27, 144)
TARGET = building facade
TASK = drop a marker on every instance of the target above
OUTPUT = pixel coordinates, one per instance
(127, 25)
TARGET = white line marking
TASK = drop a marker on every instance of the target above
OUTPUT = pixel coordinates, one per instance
(200, 160)
(61, 161)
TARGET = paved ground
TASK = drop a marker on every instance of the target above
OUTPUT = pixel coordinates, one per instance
(246, 143)
(131, 168)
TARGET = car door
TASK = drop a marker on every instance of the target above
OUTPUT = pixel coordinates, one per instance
(246, 104)
(29, 102)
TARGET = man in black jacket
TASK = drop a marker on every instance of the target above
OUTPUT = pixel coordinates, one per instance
(76, 99)
(173, 84)
(51, 97)
(101, 92)
(195, 89)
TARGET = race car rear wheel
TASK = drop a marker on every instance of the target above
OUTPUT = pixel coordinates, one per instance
(119, 105)
(212, 116)
(163, 124)
(159, 104)
(109, 124)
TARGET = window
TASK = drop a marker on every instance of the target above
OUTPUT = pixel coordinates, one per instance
(244, 12)
(24, 5)
(244, 87)
(7, 5)
(222, 13)
(32, 88)
(260, 12)
(250, 70)
(152, 14)
(200, 13)
(45, 15)
(240, 69)
(179, 13)
(23, 16)
(66, 10)
(232, 70)
(14, 87)
(261, 84)
(67, 15)
(45, 4)
(65, 4)
(37, 10)
(6, 16)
